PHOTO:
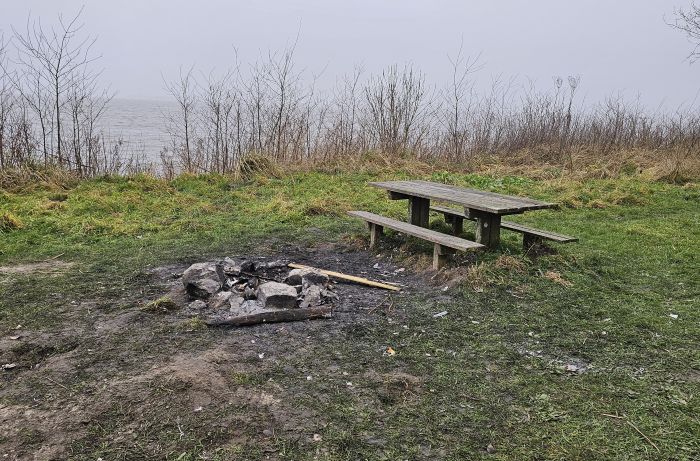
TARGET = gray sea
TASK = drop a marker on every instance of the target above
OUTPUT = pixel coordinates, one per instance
(141, 124)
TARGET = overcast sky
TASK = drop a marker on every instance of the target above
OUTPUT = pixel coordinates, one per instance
(614, 45)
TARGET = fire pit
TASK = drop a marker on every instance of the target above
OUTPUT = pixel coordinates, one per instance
(245, 292)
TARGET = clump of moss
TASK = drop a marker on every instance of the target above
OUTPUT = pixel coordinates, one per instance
(58, 197)
(326, 206)
(240, 378)
(161, 305)
(193, 324)
(9, 222)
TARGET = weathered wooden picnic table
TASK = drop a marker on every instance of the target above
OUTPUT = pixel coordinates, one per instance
(486, 208)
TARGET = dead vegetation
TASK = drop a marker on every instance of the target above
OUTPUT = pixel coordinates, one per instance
(269, 117)
(396, 118)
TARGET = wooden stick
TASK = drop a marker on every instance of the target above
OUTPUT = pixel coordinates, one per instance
(58, 384)
(350, 278)
(285, 315)
(643, 435)
(380, 304)
(633, 426)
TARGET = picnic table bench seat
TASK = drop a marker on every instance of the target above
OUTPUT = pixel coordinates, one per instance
(530, 234)
(444, 244)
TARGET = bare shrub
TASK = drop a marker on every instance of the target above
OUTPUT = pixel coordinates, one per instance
(182, 126)
(457, 104)
(396, 104)
(51, 100)
(687, 20)
(269, 112)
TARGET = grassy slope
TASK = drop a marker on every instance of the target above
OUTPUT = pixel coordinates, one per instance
(638, 262)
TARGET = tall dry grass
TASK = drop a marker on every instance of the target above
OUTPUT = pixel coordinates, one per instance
(269, 110)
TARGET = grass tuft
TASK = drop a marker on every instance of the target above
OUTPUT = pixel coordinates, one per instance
(192, 324)
(161, 306)
(326, 206)
(9, 222)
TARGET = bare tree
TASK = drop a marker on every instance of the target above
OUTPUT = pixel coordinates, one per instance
(53, 58)
(283, 83)
(396, 101)
(458, 103)
(688, 22)
(565, 141)
(217, 118)
(6, 102)
(343, 127)
(86, 103)
(256, 101)
(182, 125)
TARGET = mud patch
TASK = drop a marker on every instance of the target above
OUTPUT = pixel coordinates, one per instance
(559, 362)
(54, 267)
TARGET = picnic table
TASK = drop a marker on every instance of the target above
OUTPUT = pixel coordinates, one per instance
(486, 208)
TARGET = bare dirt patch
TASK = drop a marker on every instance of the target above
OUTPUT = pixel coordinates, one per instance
(129, 384)
(53, 267)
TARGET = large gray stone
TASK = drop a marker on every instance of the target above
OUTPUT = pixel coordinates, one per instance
(236, 268)
(220, 299)
(247, 265)
(314, 278)
(294, 277)
(277, 295)
(312, 297)
(202, 280)
(231, 267)
(235, 302)
(197, 305)
(246, 307)
(306, 277)
(278, 264)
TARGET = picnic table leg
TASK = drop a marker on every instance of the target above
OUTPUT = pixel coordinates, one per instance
(457, 225)
(440, 254)
(375, 232)
(488, 227)
(419, 211)
(456, 222)
(530, 240)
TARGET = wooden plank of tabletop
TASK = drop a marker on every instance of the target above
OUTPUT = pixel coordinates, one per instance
(489, 202)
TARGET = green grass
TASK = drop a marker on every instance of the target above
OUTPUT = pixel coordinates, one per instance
(489, 373)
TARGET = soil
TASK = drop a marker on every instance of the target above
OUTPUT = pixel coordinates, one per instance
(43, 267)
(128, 384)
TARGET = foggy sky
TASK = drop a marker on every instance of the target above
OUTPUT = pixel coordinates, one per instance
(615, 46)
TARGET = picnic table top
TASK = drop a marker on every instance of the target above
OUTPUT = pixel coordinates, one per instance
(489, 202)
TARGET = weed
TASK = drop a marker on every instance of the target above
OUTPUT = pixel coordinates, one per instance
(9, 222)
(161, 305)
(192, 324)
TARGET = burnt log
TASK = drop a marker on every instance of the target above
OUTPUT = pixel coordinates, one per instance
(285, 315)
